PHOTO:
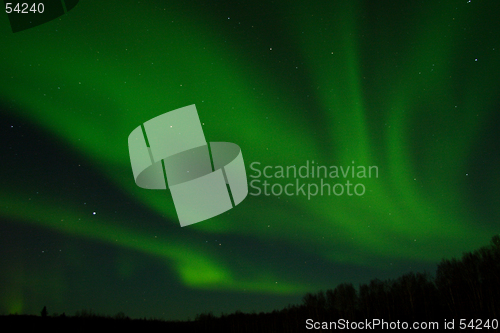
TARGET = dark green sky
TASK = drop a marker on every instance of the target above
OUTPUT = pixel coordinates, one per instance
(409, 87)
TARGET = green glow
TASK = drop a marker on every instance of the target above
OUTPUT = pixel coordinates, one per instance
(400, 90)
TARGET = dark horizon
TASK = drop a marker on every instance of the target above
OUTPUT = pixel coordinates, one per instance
(410, 88)
(464, 288)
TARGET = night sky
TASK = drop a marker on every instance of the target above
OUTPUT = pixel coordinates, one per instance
(411, 87)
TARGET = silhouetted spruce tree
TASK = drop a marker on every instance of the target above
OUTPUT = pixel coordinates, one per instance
(345, 300)
(44, 312)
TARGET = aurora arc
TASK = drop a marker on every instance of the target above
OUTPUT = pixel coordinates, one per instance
(333, 82)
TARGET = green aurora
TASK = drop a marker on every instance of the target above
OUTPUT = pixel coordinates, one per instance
(410, 87)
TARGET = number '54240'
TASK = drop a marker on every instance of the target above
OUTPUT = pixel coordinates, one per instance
(24, 8)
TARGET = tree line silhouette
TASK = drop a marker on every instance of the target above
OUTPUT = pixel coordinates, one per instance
(463, 288)
(466, 288)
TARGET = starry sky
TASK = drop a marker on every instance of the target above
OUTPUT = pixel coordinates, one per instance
(411, 87)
